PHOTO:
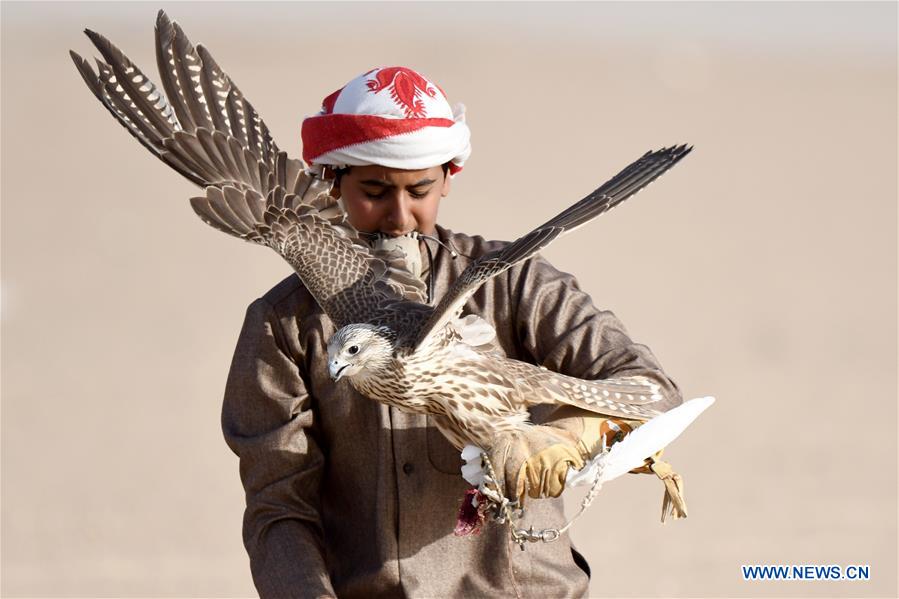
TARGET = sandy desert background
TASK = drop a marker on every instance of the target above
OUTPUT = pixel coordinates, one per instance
(761, 270)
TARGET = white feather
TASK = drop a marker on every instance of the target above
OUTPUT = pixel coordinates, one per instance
(474, 330)
(647, 439)
(473, 469)
(470, 452)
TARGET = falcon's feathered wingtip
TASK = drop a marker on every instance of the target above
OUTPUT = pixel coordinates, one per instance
(162, 19)
(678, 151)
(87, 73)
(84, 68)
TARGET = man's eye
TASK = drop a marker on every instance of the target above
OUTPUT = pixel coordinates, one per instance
(353, 349)
(374, 196)
(418, 195)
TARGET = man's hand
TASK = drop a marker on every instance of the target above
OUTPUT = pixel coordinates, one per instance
(534, 461)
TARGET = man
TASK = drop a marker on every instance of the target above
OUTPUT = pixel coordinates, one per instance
(348, 497)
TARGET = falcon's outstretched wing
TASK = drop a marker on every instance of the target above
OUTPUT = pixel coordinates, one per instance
(622, 186)
(633, 397)
(204, 128)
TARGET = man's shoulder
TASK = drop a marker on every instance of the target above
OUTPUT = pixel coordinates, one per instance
(289, 295)
(470, 245)
(473, 246)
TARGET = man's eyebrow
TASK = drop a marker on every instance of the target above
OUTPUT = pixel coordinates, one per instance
(382, 183)
(423, 182)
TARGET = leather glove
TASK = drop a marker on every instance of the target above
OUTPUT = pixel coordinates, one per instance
(592, 432)
(534, 461)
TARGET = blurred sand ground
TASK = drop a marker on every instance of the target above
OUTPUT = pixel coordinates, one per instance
(761, 270)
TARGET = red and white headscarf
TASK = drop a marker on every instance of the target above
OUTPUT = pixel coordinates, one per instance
(391, 116)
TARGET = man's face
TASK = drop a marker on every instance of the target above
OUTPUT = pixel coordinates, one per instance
(392, 200)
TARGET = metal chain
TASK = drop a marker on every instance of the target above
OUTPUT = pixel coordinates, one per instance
(503, 509)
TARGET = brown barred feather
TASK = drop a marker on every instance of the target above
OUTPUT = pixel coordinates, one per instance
(187, 66)
(132, 84)
(165, 62)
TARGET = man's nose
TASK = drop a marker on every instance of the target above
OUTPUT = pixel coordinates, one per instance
(400, 215)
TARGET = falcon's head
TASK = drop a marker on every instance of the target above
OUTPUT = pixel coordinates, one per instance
(359, 348)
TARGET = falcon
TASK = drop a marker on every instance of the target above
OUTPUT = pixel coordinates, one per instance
(390, 344)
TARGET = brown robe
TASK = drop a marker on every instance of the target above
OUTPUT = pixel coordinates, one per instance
(351, 498)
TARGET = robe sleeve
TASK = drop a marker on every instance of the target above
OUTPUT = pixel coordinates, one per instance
(268, 421)
(559, 327)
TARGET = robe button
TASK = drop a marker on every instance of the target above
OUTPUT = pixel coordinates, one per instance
(408, 468)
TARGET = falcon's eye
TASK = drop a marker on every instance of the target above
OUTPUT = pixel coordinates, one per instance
(353, 349)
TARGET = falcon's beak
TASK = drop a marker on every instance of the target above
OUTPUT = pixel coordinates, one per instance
(336, 369)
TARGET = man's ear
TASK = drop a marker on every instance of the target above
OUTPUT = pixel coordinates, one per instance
(444, 191)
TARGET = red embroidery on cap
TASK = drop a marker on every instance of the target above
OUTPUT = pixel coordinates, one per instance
(328, 103)
(406, 87)
(329, 132)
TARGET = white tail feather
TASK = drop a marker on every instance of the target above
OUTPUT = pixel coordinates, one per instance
(646, 440)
